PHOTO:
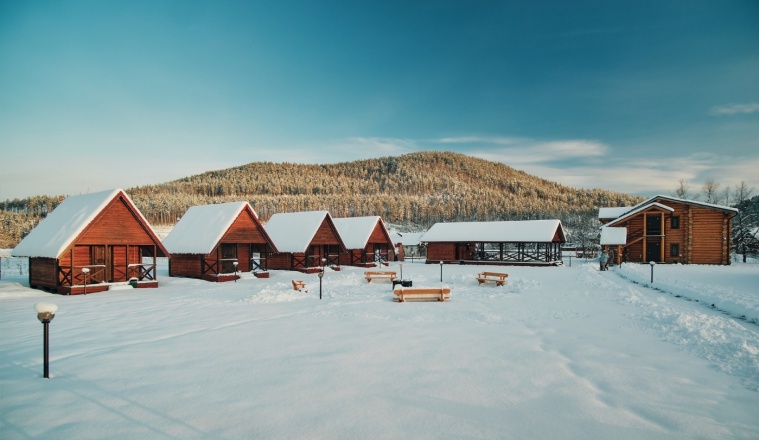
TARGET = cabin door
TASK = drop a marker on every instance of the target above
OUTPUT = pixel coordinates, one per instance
(653, 250)
(97, 264)
(228, 257)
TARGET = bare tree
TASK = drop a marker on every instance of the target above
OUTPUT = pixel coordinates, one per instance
(745, 230)
(682, 191)
(710, 190)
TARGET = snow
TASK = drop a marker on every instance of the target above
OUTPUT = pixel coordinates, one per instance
(641, 208)
(56, 232)
(201, 228)
(294, 231)
(617, 213)
(613, 236)
(559, 352)
(355, 231)
(506, 231)
(612, 213)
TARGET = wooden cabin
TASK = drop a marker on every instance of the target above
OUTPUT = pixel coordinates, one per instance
(532, 242)
(366, 240)
(671, 230)
(303, 240)
(216, 242)
(90, 242)
(408, 245)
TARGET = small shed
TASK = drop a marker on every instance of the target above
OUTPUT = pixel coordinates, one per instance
(90, 242)
(612, 241)
(668, 229)
(303, 239)
(366, 239)
(208, 240)
(530, 242)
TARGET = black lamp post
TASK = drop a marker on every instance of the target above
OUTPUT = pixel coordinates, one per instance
(85, 271)
(46, 313)
(235, 263)
(652, 263)
(401, 271)
(441, 271)
(321, 275)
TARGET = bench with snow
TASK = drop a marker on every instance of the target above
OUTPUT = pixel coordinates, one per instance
(299, 285)
(494, 277)
(403, 294)
(370, 275)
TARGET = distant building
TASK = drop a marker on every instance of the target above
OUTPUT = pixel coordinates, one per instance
(671, 230)
(303, 240)
(90, 242)
(531, 242)
(366, 240)
(208, 240)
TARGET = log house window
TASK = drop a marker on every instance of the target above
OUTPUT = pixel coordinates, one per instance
(675, 222)
(674, 250)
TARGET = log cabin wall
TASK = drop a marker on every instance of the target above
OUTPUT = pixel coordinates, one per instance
(43, 272)
(185, 265)
(281, 261)
(441, 252)
(326, 234)
(115, 225)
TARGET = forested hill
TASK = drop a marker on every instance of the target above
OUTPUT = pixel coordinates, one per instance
(418, 188)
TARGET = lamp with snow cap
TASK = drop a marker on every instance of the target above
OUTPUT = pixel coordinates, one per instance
(441, 271)
(652, 263)
(45, 313)
(85, 271)
(235, 263)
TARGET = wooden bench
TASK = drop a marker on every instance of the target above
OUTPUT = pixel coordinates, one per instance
(494, 277)
(299, 285)
(403, 294)
(370, 275)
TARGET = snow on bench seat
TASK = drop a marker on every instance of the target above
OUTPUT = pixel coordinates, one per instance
(403, 294)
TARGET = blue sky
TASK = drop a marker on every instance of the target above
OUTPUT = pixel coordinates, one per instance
(627, 96)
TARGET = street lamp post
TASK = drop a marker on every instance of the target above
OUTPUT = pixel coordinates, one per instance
(235, 263)
(441, 271)
(46, 313)
(321, 275)
(85, 271)
(652, 263)
(401, 264)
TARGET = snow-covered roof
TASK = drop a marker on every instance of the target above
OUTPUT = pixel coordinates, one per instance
(201, 228)
(355, 231)
(612, 213)
(60, 228)
(525, 231)
(613, 236)
(640, 208)
(294, 231)
(407, 238)
(617, 212)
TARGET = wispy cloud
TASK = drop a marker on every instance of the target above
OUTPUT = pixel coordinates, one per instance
(528, 151)
(733, 109)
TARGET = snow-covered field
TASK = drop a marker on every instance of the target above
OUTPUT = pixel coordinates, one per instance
(559, 352)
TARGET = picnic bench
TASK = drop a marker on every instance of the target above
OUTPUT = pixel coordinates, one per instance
(299, 285)
(403, 294)
(370, 275)
(494, 277)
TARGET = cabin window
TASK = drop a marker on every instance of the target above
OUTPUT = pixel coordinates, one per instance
(674, 250)
(675, 222)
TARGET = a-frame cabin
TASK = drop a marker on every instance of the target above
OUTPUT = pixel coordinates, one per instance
(667, 229)
(90, 242)
(530, 242)
(215, 242)
(366, 239)
(306, 241)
